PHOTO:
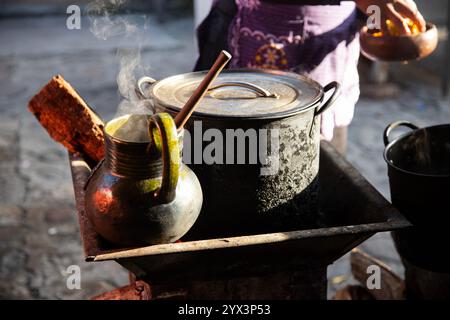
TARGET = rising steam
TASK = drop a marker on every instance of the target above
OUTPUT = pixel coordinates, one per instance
(107, 24)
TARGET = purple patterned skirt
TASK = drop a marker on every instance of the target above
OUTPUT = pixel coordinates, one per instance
(320, 42)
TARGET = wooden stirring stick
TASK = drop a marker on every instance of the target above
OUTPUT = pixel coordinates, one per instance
(187, 110)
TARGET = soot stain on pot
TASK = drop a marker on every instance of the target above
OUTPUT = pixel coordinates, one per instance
(289, 199)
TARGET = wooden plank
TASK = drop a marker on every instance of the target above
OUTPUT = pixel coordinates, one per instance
(353, 292)
(392, 286)
(68, 119)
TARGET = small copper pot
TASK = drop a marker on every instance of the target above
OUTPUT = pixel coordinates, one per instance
(142, 193)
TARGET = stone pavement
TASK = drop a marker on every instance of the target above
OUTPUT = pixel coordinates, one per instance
(39, 235)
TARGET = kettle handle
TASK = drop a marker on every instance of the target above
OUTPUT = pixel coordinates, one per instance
(394, 125)
(167, 142)
(337, 91)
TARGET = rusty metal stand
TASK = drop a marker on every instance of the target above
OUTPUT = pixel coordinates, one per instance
(281, 265)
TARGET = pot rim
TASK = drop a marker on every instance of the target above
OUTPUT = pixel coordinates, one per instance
(273, 116)
(129, 142)
(404, 135)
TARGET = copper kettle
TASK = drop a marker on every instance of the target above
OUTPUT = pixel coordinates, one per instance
(142, 193)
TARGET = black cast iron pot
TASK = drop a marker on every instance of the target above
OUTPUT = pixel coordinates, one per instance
(419, 179)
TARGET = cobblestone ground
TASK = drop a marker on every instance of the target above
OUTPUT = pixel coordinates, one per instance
(39, 235)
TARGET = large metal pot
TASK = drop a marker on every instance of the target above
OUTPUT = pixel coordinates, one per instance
(277, 193)
(419, 178)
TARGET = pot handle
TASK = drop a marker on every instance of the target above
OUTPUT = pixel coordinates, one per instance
(337, 91)
(139, 90)
(394, 125)
(257, 89)
(167, 142)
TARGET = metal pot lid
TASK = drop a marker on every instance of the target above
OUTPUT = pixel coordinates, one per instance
(242, 93)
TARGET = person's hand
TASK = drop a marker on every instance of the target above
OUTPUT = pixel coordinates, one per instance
(396, 11)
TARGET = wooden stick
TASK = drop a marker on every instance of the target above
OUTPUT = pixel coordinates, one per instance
(392, 286)
(68, 119)
(353, 292)
(187, 110)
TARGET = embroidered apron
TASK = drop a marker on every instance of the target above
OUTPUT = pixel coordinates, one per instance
(320, 41)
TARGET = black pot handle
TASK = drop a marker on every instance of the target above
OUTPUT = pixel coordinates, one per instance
(394, 125)
(337, 91)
